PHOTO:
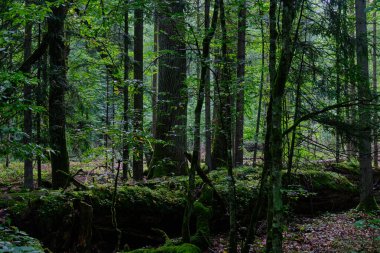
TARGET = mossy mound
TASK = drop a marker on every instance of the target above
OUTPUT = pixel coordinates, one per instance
(14, 240)
(319, 180)
(183, 248)
(142, 210)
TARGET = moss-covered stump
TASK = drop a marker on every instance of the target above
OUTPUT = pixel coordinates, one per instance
(184, 248)
(14, 240)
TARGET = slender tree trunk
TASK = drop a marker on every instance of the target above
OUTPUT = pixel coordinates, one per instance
(273, 34)
(239, 128)
(28, 162)
(224, 97)
(126, 94)
(338, 39)
(107, 119)
(40, 99)
(209, 34)
(154, 78)
(374, 80)
(296, 117)
(169, 151)
(58, 86)
(258, 118)
(208, 133)
(275, 139)
(138, 71)
(367, 201)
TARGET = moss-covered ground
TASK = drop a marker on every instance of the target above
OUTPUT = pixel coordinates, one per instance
(143, 207)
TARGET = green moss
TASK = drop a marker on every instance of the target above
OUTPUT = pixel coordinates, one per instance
(202, 234)
(369, 205)
(348, 167)
(318, 180)
(184, 248)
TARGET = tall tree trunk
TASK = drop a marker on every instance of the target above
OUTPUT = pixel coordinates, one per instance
(338, 39)
(126, 94)
(169, 151)
(296, 117)
(367, 201)
(239, 128)
(28, 162)
(258, 118)
(275, 139)
(58, 86)
(374, 80)
(209, 34)
(154, 78)
(208, 133)
(41, 97)
(107, 120)
(273, 35)
(138, 71)
(224, 97)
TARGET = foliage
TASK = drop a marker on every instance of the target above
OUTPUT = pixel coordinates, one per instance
(14, 240)
(184, 248)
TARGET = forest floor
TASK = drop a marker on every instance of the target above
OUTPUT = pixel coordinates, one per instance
(348, 231)
(345, 232)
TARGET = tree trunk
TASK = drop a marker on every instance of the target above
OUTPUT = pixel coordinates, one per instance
(41, 97)
(374, 80)
(138, 71)
(28, 162)
(275, 128)
(224, 97)
(239, 128)
(169, 150)
(367, 201)
(258, 118)
(126, 95)
(154, 78)
(209, 34)
(58, 86)
(208, 133)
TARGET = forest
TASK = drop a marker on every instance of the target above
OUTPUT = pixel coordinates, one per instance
(189, 126)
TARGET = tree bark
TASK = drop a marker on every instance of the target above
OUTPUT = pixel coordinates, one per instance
(208, 133)
(138, 71)
(126, 94)
(28, 125)
(374, 80)
(58, 86)
(258, 118)
(209, 34)
(275, 141)
(169, 150)
(367, 201)
(154, 78)
(240, 74)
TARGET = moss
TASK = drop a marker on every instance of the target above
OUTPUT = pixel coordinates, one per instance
(183, 248)
(318, 180)
(202, 234)
(369, 205)
(347, 167)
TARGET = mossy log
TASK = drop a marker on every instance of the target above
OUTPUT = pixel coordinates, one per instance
(62, 220)
(183, 248)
